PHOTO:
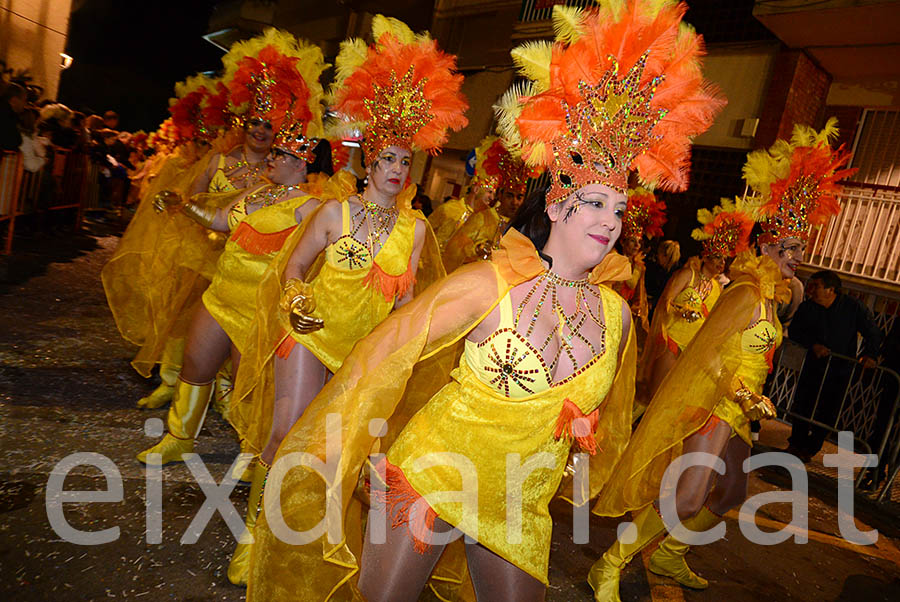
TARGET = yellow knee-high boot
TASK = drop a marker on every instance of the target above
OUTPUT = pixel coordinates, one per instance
(239, 567)
(668, 560)
(185, 418)
(169, 367)
(604, 575)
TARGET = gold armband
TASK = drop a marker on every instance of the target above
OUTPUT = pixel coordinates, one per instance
(483, 250)
(754, 405)
(202, 215)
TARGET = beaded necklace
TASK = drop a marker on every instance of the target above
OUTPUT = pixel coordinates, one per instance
(548, 283)
(253, 170)
(269, 195)
(704, 284)
(380, 221)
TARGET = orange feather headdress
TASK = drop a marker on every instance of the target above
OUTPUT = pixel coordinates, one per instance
(619, 89)
(726, 229)
(498, 169)
(199, 108)
(400, 91)
(644, 216)
(797, 182)
(275, 78)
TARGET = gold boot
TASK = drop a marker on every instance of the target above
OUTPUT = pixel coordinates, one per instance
(169, 367)
(185, 418)
(604, 575)
(668, 560)
(239, 567)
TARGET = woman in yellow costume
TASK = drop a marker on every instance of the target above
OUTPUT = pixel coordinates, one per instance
(692, 292)
(546, 353)
(359, 257)
(497, 174)
(450, 215)
(144, 284)
(645, 217)
(706, 401)
(279, 76)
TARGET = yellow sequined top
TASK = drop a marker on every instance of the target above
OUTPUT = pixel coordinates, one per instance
(350, 288)
(758, 344)
(220, 182)
(501, 404)
(699, 295)
(255, 239)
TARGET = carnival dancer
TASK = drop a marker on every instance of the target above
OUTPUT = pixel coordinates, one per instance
(279, 76)
(706, 401)
(645, 216)
(547, 356)
(498, 174)
(692, 291)
(360, 256)
(144, 286)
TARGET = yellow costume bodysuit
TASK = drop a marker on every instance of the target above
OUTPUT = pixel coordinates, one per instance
(482, 227)
(696, 296)
(502, 401)
(375, 382)
(220, 182)
(255, 238)
(447, 219)
(699, 389)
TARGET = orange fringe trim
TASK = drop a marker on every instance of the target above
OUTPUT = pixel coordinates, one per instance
(259, 243)
(572, 419)
(392, 287)
(709, 425)
(399, 499)
(286, 346)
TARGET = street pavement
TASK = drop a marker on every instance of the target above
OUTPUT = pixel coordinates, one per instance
(66, 387)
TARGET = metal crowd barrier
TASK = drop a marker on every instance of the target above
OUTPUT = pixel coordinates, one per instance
(858, 411)
(69, 180)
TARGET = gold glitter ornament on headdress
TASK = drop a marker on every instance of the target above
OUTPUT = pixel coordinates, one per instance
(726, 229)
(620, 89)
(400, 91)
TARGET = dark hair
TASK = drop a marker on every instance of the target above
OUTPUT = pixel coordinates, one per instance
(13, 90)
(531, 219)
(322, 161)
(828, 279)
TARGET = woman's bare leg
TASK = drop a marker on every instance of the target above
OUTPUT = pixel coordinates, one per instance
(695, 482)
(661, 368)
(730, 490)
(498, 580)
(298, 379)
(394, 571)
(206, 348)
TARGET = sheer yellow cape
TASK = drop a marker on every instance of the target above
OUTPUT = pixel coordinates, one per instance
(141, 277)
(701, 377)
(254, 394)
(426, 334)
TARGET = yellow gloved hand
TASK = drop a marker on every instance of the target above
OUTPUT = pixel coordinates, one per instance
(297, 299)
(755, 406)
(166, 199)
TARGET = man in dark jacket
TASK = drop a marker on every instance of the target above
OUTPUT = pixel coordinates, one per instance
(827, 322)
(12, 102)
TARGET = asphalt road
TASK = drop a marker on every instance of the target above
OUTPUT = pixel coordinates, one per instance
(66, 387)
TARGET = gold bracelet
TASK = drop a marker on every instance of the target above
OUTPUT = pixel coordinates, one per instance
(202, 215)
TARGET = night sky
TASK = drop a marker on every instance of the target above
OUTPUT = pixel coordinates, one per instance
(128, 56)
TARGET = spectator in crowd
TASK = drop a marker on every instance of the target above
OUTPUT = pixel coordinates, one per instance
(827, 322)
(12, 102)
(34, 146)
(56, 124)
(660, 268)
(111, 120)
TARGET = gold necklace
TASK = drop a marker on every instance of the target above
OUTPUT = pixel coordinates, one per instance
(269, 195)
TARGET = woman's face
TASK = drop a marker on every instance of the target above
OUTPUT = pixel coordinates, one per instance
(787, 254)
(631, 245)
(714, 263)
(284, 167)
(388, 173)
(591, 220)
(259, 135)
